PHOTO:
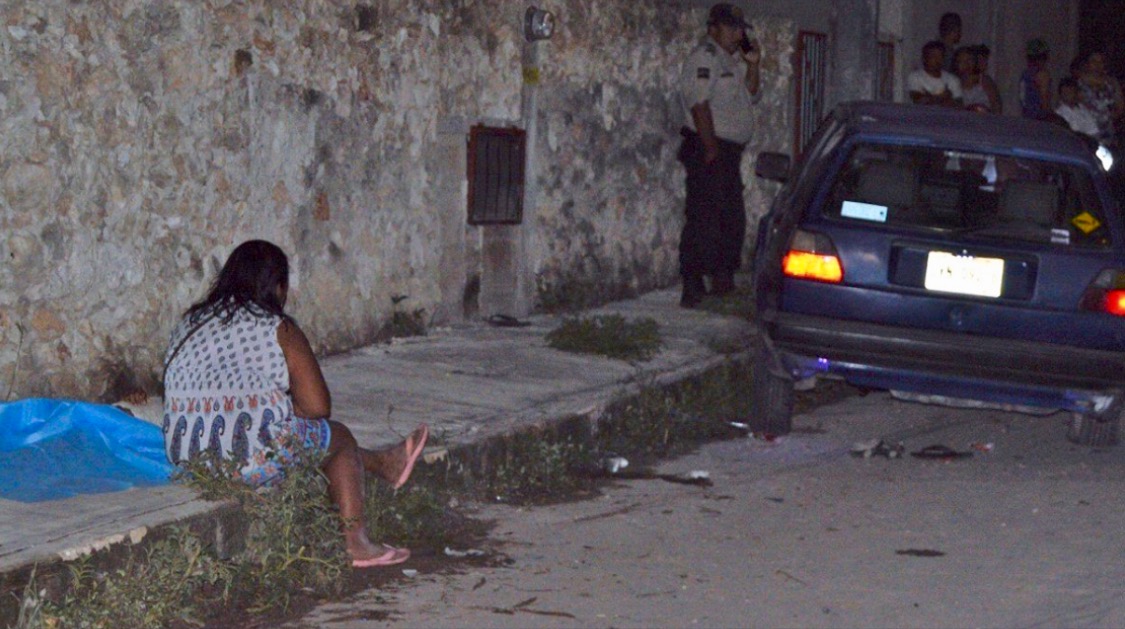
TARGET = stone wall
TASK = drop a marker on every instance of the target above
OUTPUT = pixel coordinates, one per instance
(143, 139)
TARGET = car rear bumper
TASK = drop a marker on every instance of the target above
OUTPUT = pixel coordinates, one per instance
(945, 363)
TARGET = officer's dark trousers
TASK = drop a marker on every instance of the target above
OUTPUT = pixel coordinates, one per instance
(711, 242)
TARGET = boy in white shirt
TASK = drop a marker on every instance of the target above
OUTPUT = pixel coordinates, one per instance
(1071, 109)
(932, 85)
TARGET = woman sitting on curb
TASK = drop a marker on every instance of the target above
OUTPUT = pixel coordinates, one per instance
(241, 382)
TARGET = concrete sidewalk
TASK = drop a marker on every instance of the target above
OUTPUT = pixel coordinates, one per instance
(469, 383)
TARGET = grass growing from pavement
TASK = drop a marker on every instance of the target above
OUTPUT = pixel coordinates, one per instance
(608, 335)
(528, 467)
(548, 465)
(293, 545)
(404, 324)
(664, 421)
(162, 586)
(531, 468)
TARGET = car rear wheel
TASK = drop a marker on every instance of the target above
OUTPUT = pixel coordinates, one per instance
(1091, 430)
(771, 408)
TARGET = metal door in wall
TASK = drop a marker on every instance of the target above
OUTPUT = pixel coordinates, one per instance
(811, 68)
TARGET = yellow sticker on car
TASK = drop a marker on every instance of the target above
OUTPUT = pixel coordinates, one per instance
(1086, 221)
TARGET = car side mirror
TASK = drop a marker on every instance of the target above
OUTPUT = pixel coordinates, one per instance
(772, 166)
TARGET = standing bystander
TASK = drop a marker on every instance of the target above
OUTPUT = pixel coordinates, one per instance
(949, 34)
(1035, 82)
(719, 83)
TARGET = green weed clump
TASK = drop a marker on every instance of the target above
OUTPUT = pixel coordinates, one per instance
(532, 469)
(661, 421)
(418, 515)
(406, 324)
(608, 335)
(172, 582)
(294, 542)
(403, 324)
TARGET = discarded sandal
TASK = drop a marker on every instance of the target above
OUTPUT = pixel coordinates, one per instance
(415, 442)
(878, 447)
(940, 452)
(391, 557)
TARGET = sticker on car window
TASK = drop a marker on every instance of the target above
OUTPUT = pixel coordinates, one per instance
(864, 211)
(1086, 222)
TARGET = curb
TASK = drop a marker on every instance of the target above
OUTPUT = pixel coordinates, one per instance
(223, 528)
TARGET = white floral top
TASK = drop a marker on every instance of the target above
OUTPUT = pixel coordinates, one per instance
(226, 390)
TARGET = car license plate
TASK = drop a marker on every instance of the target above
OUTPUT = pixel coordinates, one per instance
(967, 275)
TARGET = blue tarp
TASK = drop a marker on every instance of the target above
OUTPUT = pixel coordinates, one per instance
(52, 449)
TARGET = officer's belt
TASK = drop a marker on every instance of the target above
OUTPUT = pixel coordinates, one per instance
(692, 136)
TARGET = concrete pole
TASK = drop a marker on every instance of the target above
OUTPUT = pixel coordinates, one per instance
(507, 274)
(853, 49)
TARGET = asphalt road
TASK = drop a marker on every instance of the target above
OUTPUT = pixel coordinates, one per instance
(800, 533)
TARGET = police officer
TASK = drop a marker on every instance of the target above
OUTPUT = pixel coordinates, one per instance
(718, 84)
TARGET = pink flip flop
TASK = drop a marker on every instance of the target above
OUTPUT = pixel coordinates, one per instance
(391, 557)
(413, 451)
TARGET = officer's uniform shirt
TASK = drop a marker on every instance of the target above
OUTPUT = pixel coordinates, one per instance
(712, 75)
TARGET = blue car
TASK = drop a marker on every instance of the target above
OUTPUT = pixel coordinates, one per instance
(945, 256)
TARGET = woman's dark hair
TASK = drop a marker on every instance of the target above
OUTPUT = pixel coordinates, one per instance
(249, 279)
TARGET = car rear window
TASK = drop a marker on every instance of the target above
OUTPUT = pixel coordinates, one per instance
(971, 194)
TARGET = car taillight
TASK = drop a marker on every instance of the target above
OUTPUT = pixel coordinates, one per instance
(812, 256)
(1106, 293)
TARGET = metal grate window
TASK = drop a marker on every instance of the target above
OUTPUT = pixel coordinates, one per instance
(885, 72)
(812, 58)
(496, 175)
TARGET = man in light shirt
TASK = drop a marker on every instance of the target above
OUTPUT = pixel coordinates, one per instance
(719, 85)
(932, 85)
(1071, 109)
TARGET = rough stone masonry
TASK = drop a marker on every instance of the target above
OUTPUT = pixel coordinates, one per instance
(141, 140)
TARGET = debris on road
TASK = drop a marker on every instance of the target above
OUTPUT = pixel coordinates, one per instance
(614, 464)
(767, 437)
(472, 552)
(981, 447)
(920, 552)
(789, 576)
(694, 477)
(940, 452)
(878, 447)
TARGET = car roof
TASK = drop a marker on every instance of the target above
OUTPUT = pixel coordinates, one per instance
(944, 126)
